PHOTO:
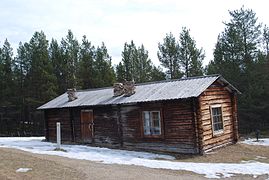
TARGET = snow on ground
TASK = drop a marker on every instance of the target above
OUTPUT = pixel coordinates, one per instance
(151, 160)
(261, 142)
(23, 170)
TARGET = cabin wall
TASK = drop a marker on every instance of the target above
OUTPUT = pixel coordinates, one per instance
(122, 126)
(216, 94)
(106, 132)
(178, 128)
(76, 123)
(105, 125)
(58, 115)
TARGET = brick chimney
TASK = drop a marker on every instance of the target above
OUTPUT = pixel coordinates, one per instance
(71, 94)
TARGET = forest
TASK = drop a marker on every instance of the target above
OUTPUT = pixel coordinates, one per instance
(42, 69)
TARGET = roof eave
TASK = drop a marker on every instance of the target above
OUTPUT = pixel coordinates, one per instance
(229, 85)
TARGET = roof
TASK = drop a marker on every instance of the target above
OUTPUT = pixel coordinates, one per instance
(145, 92)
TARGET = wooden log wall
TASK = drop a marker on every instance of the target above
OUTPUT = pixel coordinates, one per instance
(235, 119)
(58, 115)
(105, 125)
(131, 123)
(178, 134)
(216, 94)
(183, 131)
(106, 131)
(76, 124)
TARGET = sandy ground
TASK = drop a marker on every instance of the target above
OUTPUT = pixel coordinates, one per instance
(55, 167)
(232, 154)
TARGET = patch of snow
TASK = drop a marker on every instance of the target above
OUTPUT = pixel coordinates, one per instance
(249, 161)
(23, 170)
(210, 152)
(260, 157)
(261, 142)
(151, 160)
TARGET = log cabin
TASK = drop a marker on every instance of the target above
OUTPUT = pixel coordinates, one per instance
(190, 115)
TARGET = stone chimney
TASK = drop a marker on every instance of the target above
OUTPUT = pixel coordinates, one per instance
(71, 94)
(118, 89)
(129, 88)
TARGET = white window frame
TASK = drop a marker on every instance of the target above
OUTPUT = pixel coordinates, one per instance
(220, 131)
(150, 125)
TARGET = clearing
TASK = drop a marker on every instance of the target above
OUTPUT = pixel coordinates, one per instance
(235, 162)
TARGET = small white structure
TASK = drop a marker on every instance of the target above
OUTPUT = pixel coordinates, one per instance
(58, 124)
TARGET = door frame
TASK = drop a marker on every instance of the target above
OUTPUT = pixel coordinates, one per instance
(90, 125)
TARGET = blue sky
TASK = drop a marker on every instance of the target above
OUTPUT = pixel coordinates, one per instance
(118, 21)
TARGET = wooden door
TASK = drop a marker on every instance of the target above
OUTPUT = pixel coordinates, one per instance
(87, 131)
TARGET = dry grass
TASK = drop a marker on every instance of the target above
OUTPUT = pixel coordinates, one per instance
(231, 154)
(11, 160)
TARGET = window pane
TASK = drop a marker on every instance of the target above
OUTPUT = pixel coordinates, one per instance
(215, 111)
(156, 131)
(152, 122)
(219, 127)
(215, 127)
(217, 119)
(156, 124)
(146, 117)
(155, 119)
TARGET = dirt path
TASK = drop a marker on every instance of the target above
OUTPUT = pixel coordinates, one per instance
(55, 167)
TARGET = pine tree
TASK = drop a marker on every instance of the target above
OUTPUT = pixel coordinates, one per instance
(6, 74)
(157, 74)
(120, 72)
(103, 71)
(238, 58)
(70, 50)
(40, 80)
(143, 65)
(265, 41)
(59, 66)
(136, 65)
(1, 69)
(190, 57)
(248, 32)
(129, 60)
(169, 57)
(22, 69)
(86, 64)
(226, 58)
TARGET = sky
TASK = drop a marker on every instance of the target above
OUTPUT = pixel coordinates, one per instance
(115, 22)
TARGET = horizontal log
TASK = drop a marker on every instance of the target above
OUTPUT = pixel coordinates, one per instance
(219, 92)
(217, 144)
(218, 138)
(214, 97)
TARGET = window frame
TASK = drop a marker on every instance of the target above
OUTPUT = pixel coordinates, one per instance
(220, 131)
(161, 135)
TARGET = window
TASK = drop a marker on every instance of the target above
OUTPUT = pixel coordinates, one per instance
(152, 123)
(217, 121)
